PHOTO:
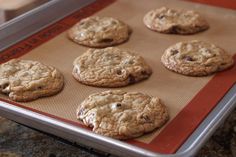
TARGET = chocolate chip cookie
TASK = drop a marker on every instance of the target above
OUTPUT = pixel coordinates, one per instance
(99, 32)
(26, 80)
(122, 115)
(166, 20)
(196, 58)
(110, 67)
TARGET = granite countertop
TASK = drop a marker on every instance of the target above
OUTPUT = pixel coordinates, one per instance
(19, 141)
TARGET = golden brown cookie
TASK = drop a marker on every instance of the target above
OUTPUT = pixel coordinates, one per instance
(196, 58)
(122, 115)
(26, 80)
(166, 20)
(99, 32)
(110, 67)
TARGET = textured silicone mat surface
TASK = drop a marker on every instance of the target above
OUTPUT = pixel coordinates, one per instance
(189, 99)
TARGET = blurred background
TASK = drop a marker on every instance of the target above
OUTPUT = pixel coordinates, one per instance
(10, 9)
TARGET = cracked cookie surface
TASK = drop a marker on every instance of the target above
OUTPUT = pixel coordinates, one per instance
(110, 67)
(171, 21)
(99, 32)
(196, 58)
(26, 80)
(122, 115)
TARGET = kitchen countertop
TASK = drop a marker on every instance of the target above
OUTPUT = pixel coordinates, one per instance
(19, 141)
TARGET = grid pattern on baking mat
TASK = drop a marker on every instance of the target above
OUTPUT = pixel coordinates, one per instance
(191, 98)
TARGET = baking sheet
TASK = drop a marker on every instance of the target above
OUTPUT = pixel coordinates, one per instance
(183, 95)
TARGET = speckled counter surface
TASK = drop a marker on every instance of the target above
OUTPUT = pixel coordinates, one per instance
(20, 141)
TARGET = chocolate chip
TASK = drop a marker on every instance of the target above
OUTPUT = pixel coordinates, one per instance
(188, 58)
(223, 63)
(174, 30)
(118, 105)
(131, 62)
(106, 40)
(118, 72)
(90, 119)
(146, 118)
(177, 30)
(81, 111)
(113, 22)
(75, 70)
(91, 125)
(161, 16)
(144, 73)
(40, 87)
(4, 86)
(174, 52)
(82, 23)
(131, 79)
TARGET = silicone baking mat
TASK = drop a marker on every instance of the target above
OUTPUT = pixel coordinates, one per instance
(189, 99)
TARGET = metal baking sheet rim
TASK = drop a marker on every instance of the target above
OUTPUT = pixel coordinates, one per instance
(82, 136)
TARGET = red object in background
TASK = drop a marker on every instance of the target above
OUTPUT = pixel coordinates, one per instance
(231, 4)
